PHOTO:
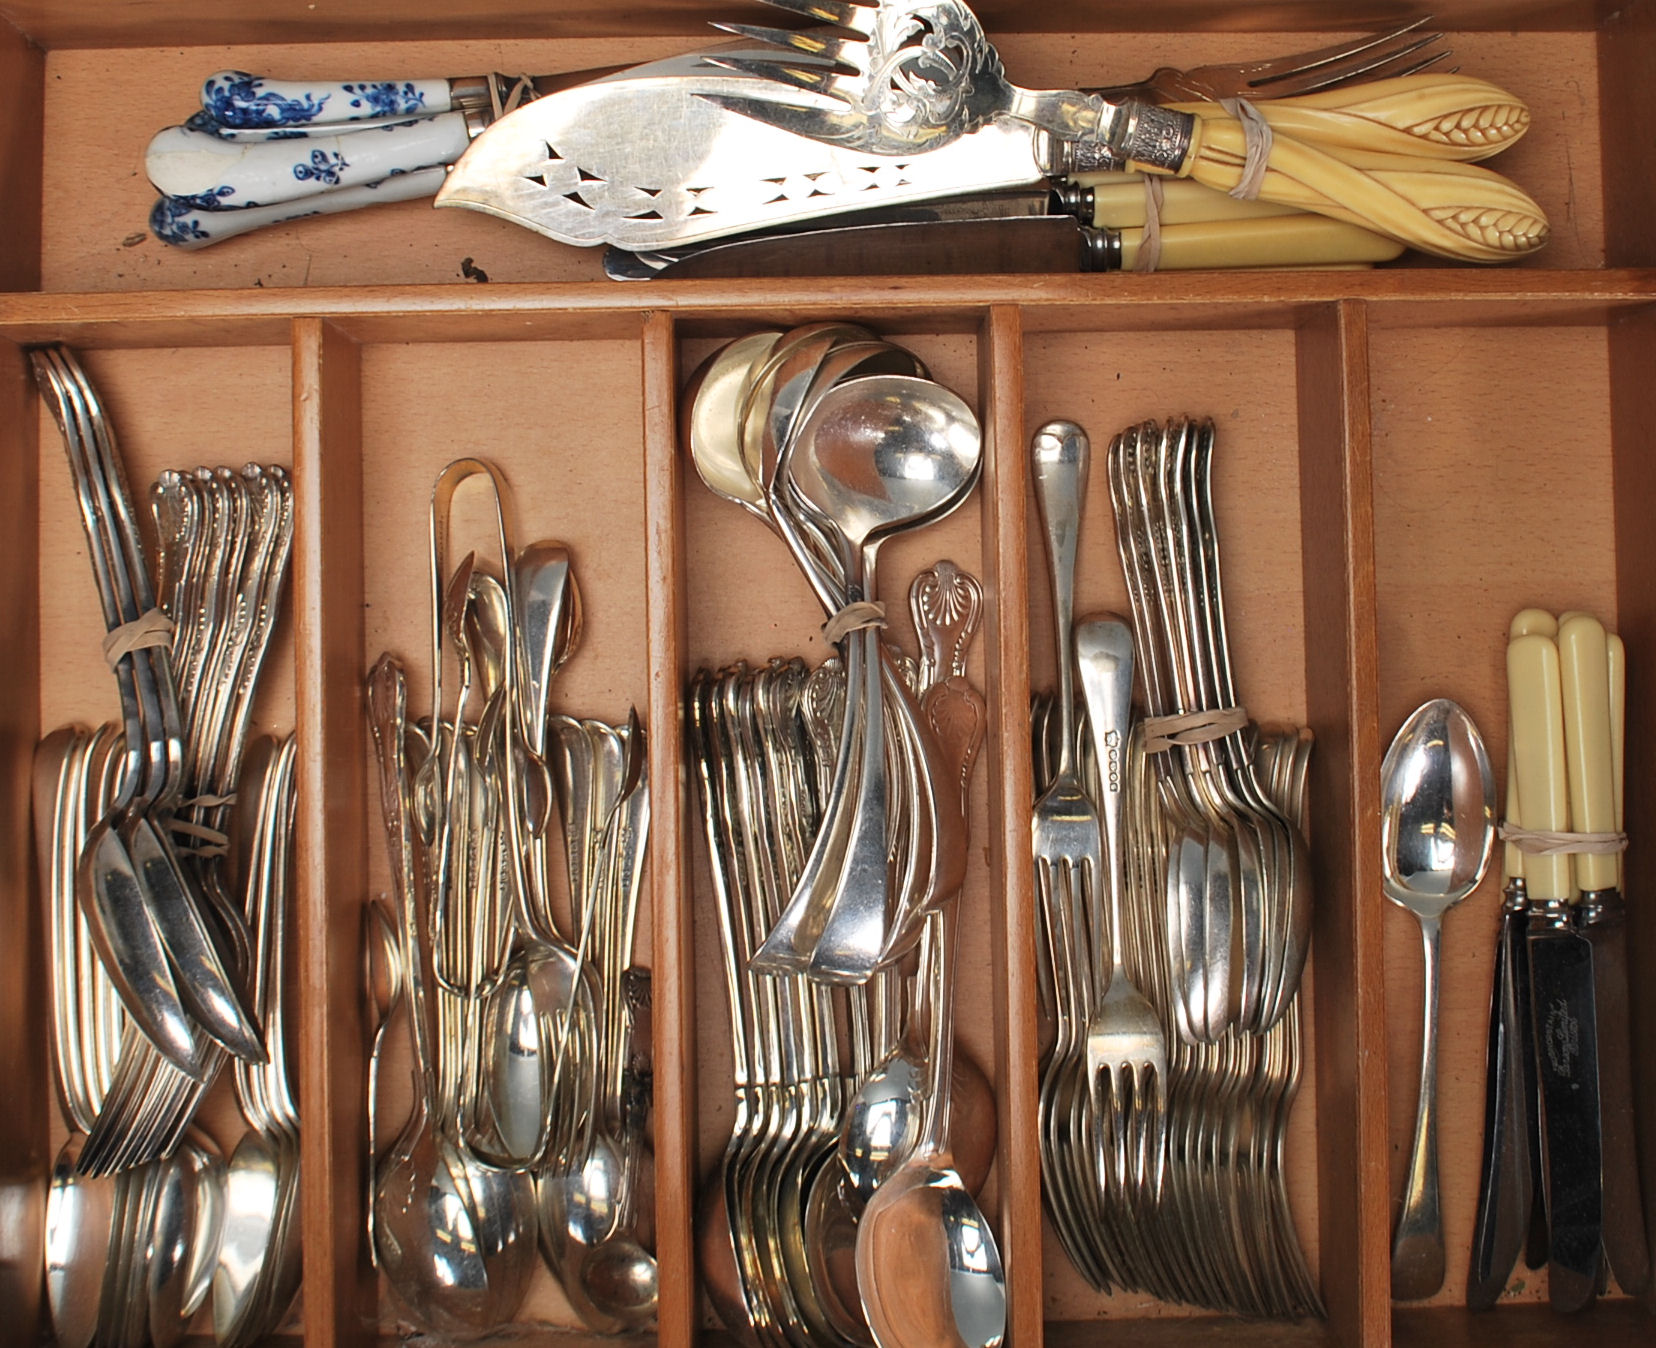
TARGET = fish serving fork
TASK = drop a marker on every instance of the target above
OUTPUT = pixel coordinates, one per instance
(909, 74)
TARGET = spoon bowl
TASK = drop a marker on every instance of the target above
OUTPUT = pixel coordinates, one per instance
(884, 452)
(1437, 810)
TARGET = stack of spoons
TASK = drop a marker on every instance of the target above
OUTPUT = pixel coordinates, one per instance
(528, 1111)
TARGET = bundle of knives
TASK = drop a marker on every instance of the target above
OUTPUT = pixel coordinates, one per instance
(1560, 1171)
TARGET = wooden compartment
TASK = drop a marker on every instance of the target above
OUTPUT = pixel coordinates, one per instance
(1406, 456)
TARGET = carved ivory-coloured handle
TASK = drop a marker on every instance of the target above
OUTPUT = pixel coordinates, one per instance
(231, 174)
(182, 223)
(1453, 210)
(234, 98)
(1437, 116)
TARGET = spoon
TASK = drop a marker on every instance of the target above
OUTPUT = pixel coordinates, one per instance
(1437, 826)
(712, 404)
(877, 455)
(80, 1222)
(928, 1267)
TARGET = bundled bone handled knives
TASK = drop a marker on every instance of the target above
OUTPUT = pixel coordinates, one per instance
(1558, 1106)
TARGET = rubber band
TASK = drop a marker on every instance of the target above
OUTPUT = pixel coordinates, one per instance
(151, 628)
(522, 91)
(207, 802)
(1162, 733)
(1257, 137)
(1149, 253)
(1540, 842)
(193, 830)
(853, 618)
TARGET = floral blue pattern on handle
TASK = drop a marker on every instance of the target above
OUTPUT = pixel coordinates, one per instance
(234, 98)
(195, 222)
(187, 163)
(203, 121)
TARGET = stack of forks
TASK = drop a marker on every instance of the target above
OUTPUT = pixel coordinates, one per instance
(1161, 1130)
(1218, 1232)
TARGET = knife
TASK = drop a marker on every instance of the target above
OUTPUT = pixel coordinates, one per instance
(1601, 916)
(1053, 243)
(1535, 1243)
(1561, 981)
(1509, 1192)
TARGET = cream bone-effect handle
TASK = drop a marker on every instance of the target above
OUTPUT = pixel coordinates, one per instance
(1585, 679)
(231, 174)
(1524, 622)
(1535, 697)
(1299, 240)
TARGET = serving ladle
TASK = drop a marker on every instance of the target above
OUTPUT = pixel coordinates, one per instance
(875, 456)
(1437, 827)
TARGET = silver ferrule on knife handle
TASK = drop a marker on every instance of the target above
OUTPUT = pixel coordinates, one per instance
(492, 95)
(1557, 914)
(1515, 897)
(1600, 907)
(1100, 249)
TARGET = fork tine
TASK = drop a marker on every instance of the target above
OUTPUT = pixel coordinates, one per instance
(842, 12)
(1338, 53)
(807, 43)
(778, 69)
(1384, 65)
(831, 125)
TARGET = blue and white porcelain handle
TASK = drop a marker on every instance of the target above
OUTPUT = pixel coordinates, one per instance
(185, 223)
(235, 173)
(236, 99)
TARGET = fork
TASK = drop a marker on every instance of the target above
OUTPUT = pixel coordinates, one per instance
(912, 75)
(1065, 830)
(1375, 56)
(1126, 1051)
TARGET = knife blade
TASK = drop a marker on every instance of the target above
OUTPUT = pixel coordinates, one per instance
(1505, 1196)
(1052, 244)
(1535, 1241)
(1601, 916)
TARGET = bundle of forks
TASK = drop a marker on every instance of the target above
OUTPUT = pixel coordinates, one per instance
(1236, 879)
(1213, 1227)
(1162, 1106)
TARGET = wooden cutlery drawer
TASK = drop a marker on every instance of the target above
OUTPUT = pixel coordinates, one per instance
(1405, 457)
